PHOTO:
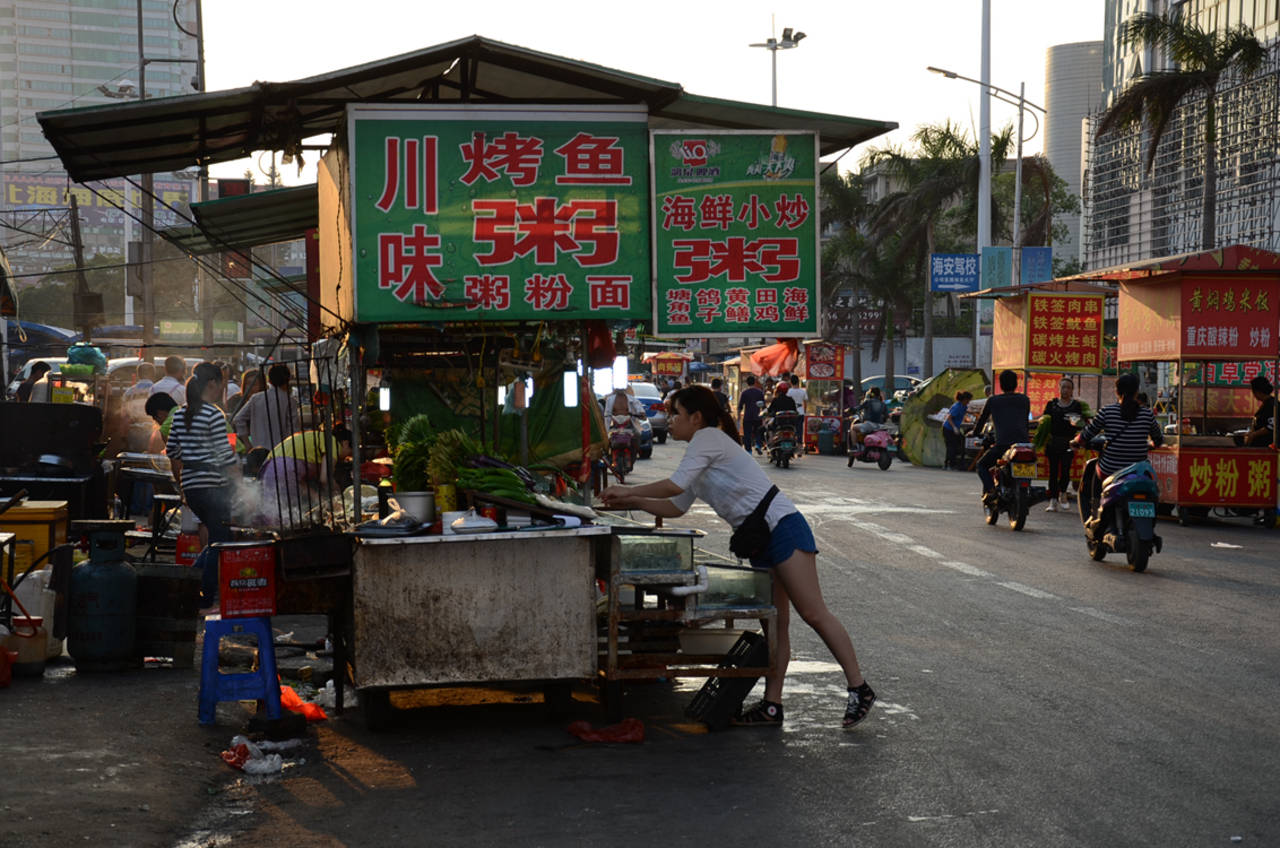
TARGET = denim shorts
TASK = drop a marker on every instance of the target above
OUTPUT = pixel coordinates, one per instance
(792, 534)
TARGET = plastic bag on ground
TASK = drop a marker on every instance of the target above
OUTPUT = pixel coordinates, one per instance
(290, 700)
(627, 730)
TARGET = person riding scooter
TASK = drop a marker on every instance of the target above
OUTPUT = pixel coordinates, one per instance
(1128, 426)
(1009, 412)
(873, 412)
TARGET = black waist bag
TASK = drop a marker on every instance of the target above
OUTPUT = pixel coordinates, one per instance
(751, 538)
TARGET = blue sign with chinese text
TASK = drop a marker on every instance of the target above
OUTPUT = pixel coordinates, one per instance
(953, 272)
(1037, 265)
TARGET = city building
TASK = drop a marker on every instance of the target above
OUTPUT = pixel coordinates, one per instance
(1072, 92)
(1131, 212)
(64, 54)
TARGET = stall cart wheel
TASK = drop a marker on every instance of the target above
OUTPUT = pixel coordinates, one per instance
(376, 705)
(1098, 551)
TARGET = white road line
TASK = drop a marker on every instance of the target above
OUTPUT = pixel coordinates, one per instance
(1027, 590)
(965, 568)
(926, 552)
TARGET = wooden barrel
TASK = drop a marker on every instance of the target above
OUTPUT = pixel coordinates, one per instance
(167, 617)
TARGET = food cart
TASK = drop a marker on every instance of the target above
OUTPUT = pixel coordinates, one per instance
(823, 372)
(1046, 332)
(1205, 324)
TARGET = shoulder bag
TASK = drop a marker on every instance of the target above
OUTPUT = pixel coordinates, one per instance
(751, 537)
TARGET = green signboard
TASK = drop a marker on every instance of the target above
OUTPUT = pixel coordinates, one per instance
(735, 224)
(494, 213)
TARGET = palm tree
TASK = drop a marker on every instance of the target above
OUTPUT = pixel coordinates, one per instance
(941, 178)
(1201, 58)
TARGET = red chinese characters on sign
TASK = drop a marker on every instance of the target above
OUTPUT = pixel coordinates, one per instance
(609, 292)
(718, 211)
(1064, 332)
(1230, 317)
(415, 159)
(487, 291)
(824, 362)
(548, 293)
(405, 264)
(1041, 388)
(592, 160)
(546, 228)
(679, 306)
(1212, 477)
(519, 157)
(774, 260)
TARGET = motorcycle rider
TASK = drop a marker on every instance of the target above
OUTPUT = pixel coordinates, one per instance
(873, 411)
(622, 402)
(1128, 425)
(1008, 412)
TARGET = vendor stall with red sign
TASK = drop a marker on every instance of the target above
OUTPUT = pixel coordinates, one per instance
(1213, 318)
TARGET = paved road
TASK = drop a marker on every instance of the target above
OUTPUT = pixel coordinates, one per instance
(1029, 697)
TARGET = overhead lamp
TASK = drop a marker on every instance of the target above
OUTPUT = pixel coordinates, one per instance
(384, 398)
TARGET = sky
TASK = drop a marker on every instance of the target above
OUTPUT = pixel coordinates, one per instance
(862, 58)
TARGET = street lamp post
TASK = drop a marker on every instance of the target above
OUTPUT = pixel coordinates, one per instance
(984, 189)
(773, 45)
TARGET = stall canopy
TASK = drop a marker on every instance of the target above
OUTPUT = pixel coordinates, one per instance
(1236, 258)
(173, 133)
(249, 220)
(776, 358)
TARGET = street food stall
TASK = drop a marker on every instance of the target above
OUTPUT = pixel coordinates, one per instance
(1204, 325)
(489, 216)
(1045, 332)
(823, 371)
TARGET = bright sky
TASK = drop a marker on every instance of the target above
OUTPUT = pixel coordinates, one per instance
(864, 58)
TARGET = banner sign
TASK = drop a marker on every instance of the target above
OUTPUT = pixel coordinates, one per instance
(735, 223)
(1036, 265)
(1064, 332)
(1230, 317)
(953, 272)
(1209, 477)
(497, 213)
(1229, 373)
(997, 267)
(669, 367)
(824, 362)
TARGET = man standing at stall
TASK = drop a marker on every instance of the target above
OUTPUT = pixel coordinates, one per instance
(749, 414)
(1262, 430)
(173, 382)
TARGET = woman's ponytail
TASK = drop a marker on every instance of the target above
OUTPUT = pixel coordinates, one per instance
(1127, 389)
(203, 374)
(701, 399)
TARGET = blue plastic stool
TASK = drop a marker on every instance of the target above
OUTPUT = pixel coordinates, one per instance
(246, 686)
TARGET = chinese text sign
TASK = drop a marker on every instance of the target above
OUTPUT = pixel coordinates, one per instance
(824, 362)
(953, 272)
(1230, 316)
(735, 224)
(500, 214)
(1064, 332)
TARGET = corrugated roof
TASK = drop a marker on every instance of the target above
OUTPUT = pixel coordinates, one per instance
(173, 133)
(250, 220)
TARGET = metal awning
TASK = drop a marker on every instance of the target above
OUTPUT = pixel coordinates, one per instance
(173, 133)
(250, 220)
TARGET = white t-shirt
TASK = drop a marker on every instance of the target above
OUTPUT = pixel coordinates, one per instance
(170, 386)
(800, 396)
(716, 469)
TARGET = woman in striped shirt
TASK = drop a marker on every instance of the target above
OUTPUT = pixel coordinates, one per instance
(205, 466)
(1127, 424)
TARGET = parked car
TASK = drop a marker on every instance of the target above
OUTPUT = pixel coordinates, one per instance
(901, 382)
(648, 394)
(55, 365)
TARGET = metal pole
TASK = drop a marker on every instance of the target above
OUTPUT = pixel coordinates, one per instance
(773, 53)
(984, 166)
(1017, 193)
(206, 289)
(148, 217)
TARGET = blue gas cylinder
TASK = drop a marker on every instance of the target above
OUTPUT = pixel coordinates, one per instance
(102, 602)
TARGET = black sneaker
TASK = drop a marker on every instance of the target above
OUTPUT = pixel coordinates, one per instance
(763, 714)
(860, 702)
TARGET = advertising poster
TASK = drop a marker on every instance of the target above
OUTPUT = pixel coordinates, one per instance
(735, 223)
(1064, 332)
(495, 213)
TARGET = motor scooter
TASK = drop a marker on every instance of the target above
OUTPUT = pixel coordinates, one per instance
(782, 438)
(622, 453)
(1123, 518)
(1013, 493)
(876, 446)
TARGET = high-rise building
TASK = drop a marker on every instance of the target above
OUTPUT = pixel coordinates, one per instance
(1072, 91)
(1138, 206)
(63, 54)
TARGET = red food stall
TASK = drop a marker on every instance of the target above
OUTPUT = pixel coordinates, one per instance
(1048, 332)
(1214, 318)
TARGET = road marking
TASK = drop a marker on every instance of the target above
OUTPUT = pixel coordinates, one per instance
(1100, 615)
(926, 552)
(1027, 590)
(965, 568)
